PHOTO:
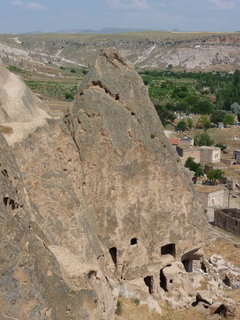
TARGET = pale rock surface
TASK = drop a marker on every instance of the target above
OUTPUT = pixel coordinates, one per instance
(20, 109)
(96, 205)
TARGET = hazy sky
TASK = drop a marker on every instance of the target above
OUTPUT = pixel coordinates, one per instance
(20, 16)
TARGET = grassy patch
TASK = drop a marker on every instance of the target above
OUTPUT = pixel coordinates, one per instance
(53, 89)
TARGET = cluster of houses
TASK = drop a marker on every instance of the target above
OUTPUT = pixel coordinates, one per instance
(222, 195)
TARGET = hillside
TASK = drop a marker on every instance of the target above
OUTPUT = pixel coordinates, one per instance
(146, 49)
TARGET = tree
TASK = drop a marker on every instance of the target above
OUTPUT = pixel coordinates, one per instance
(228, 119)
(235, 108)
(221, 146)
(217, 116)
(182, 125)
(195, 167)
(215, 174)
(190, 123)
(69, 96)
(238, 117)
(204, 121)
(164, 114)
(203, 140)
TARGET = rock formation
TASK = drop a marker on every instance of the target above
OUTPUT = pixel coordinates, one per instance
(95, 205)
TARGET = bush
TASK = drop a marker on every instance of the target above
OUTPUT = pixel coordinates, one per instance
(69, 96)
(136, 301)
(203, 140)
(190, 123)
(119, 308)
(182, 125)
(221, 146)
(228, 119)
(204, 121)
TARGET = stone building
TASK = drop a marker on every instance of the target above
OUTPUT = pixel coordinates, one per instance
(209, 154)
(236, 156)
(211, 196)
(228, 219)
(185, 151)
(174, 142)
(187, 141)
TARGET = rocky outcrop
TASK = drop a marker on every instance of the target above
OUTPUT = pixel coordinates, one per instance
(20, 109)
(96, 206)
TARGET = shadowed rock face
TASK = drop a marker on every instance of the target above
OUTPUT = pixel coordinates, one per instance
(95, 206)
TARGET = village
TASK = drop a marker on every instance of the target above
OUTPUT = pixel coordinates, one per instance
(220, 198)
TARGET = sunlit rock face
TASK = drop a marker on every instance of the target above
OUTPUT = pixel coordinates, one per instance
(96, 205)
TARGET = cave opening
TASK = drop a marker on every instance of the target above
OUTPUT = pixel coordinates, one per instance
(113, 253)
(169, 249)
(149, 283)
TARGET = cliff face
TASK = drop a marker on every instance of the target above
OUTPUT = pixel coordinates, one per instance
(96, 205)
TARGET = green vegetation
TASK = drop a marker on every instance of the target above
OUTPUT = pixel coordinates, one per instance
(164, 114)
(194, 92)
(190, 124)
(195, 167)
(119, 308)
(217, 116)
(15, 69)
(215, 174)
(204, 121)
(53, 89)
(203, 139)
(182, 125)
(235, 108)
(228, 119)
(136, 301)
(221, 146)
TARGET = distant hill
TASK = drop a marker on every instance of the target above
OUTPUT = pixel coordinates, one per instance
(102, 31)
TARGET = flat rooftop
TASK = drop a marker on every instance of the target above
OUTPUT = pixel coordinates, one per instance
(208, 189)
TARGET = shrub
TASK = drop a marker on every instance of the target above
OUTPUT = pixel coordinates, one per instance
(221, 146)
(182, 125)
(69, 96)
(203, 140)
(119, 308)
(228, 119)
(136, 301)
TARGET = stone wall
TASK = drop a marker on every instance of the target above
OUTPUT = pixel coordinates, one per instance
(236, 156)
(209, 155)
(228, 219)
(186, 152)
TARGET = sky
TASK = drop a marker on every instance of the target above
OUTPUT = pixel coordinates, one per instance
(20, 16)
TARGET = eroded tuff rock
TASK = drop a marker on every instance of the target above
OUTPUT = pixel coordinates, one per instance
(21, 111)
(96, 206)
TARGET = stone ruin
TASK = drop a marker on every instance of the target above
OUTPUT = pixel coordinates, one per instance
(95, 205)
(228, 219)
